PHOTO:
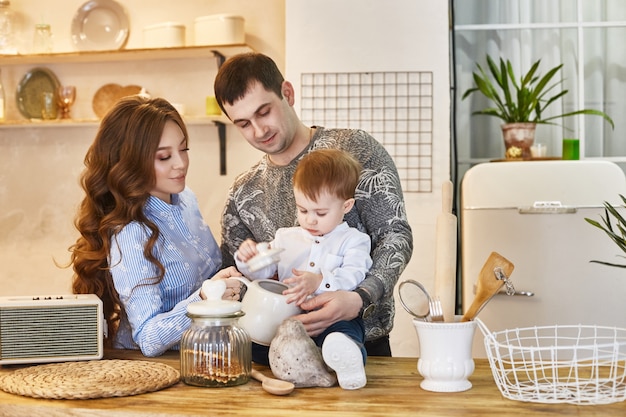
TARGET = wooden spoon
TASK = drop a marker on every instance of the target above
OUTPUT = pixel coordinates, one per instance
(272, 385)
(488, 283)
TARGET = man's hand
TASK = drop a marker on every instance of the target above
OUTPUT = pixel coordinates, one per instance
(329, 308)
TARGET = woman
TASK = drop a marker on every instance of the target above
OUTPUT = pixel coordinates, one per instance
(144, 248)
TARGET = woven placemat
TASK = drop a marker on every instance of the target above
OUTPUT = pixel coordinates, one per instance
(90, 379)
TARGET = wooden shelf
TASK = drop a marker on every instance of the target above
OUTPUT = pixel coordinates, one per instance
(35, 123)
(187, 52)
(220, 52)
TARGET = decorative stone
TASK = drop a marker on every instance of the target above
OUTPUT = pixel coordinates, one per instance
(294, 357)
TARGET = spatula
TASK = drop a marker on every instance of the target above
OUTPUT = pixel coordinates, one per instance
(488, 283)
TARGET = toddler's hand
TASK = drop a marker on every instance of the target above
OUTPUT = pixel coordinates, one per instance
(247, 250)
(301, 285)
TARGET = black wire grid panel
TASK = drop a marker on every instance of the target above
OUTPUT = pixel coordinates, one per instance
(394, 107)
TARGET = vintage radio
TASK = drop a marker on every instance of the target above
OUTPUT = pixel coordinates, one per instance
(58, 328)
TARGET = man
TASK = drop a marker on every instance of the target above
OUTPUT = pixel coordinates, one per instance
(252, 92)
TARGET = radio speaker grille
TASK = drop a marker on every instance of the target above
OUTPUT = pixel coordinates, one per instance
(50, 333)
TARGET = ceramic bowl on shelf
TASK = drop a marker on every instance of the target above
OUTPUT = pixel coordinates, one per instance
(164, 35)
(219, 29)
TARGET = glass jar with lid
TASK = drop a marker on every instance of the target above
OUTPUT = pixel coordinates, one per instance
(214, 350)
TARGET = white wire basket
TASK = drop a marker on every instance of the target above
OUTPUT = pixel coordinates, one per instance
(575, 364)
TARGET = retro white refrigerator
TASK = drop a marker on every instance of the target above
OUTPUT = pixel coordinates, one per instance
(533, 213)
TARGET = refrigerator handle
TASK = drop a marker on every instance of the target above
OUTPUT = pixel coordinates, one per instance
(547, 207)
(519, 293)
(522, 293)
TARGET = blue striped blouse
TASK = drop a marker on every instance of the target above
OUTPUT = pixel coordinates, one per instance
(156, 313)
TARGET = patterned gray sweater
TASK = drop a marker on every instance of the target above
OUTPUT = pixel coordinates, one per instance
(261, 201)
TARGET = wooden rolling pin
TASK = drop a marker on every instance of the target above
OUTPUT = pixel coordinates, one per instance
(445, 254)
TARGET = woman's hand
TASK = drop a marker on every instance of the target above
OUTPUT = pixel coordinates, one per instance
(231, 271)
(329, 308)
(233, 286)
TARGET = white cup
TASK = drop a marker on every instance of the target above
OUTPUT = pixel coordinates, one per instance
(212, 108)
(445, 359)
(266, 307)
(538, 150)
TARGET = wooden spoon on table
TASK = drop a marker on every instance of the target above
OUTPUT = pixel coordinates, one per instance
(488, 283)
(272, 385)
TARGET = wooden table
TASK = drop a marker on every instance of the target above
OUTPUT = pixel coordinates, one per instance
(392, 390)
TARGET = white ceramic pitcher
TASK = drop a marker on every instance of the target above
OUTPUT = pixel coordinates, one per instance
(266, 307)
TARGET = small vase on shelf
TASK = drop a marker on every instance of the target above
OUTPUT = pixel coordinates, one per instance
(518, 138)
(67, 95)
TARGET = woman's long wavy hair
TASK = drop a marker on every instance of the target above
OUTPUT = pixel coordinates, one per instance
(118, 177)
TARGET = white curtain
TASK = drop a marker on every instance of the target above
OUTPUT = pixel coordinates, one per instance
(597, 52)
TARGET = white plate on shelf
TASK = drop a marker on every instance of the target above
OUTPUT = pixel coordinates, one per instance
(100, 25)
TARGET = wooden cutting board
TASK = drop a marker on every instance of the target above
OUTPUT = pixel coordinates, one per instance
(109, 94)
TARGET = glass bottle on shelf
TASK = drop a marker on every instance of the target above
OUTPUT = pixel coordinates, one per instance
(2, 101)
(42, 41)
(8, 27)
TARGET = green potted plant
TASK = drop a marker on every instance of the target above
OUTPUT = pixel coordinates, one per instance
(616, 232)
(521, 102)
